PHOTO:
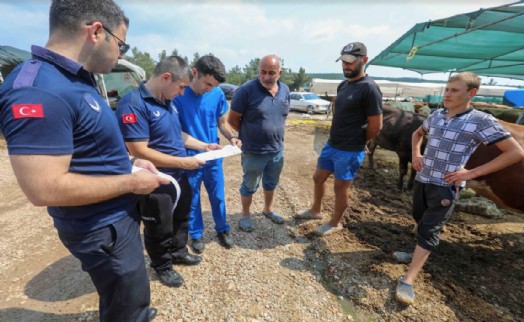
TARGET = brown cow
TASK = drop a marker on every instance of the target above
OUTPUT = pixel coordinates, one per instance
(395, 135)
(504, 187)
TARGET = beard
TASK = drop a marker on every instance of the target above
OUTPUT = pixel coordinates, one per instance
(355, 72)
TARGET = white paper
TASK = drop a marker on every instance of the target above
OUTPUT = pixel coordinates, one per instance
(227, 151)
(168, 177)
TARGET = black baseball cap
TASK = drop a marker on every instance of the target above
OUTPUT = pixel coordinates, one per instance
(352, 51)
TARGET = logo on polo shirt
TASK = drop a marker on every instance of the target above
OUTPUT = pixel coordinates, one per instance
(156, 113)
(21, 111)
(129, 118)
(92, 102)
(173, 106)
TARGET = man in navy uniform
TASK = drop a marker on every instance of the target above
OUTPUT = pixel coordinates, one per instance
(151, 128)
(67, 154)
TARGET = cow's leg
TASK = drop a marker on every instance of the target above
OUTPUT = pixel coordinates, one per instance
(402, 171)
(412, 175)
(372, 145)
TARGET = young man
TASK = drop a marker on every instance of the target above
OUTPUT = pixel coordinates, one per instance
(258, 111)
(356, 120)
(66, 152)
(151, 129)
(454, 133)
(203, 111)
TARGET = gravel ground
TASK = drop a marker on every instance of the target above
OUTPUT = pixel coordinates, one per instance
(265, 277)
(283, 272)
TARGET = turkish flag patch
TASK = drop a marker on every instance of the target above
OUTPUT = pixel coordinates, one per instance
(21, 111)
(128, 118)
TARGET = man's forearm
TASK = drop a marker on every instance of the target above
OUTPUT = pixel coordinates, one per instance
(159, 159)
(73, 189)
(192, 143)
(227, 131)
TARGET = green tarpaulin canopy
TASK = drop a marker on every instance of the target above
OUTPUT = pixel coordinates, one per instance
(10, 57)
(488, 42)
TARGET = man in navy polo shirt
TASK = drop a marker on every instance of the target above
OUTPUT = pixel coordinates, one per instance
(151, 128)
(203, 111)
(67, 154)
(258, 111)
(356, 120)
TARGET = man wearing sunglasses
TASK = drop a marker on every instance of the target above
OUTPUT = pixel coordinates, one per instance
(67, 153)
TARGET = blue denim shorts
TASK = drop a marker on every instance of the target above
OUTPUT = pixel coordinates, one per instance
(344, 164)
(260, 166)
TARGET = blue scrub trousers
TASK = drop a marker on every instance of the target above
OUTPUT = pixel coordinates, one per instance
(114, 259)
(213, 177)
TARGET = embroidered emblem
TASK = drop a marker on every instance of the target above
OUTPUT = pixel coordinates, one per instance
(128, 118)
(92, 102)
(21, 111)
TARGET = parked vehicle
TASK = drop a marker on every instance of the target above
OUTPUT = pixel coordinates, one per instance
(121, 80)
(309, 103)
(228, 89)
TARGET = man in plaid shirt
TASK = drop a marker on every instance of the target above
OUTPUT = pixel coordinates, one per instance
(454, 133)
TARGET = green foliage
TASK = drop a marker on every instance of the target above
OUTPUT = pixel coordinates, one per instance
(251, 69)
(162, 55)
(143, 60)
(196, 56)
(236, 74)
(287, 77)
(300, 79)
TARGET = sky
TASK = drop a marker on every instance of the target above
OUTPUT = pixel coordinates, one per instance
(306, 33)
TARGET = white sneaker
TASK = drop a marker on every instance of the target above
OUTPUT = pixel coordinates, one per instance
(327, 229)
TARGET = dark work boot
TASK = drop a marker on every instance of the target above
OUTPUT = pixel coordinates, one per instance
(189, 259)
(198, 245)
(170, 277)
(225, 239)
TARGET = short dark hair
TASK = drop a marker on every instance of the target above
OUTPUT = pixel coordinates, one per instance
(210, 65)
(174, 65)
(71, 15)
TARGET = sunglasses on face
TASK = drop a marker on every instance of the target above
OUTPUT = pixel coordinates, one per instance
(122, 46)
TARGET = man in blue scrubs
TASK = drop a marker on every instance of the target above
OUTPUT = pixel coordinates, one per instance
(258, 111)
(67, 154)
(203, 111)
(150, 125)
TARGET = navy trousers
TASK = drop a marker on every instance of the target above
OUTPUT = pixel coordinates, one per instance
(113, 257)
(166, 229)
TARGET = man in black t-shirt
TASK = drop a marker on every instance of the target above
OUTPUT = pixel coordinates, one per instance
(356, 120)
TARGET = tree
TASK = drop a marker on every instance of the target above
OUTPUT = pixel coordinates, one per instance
(162, 55)
(196, 56)
(143, 60)
(287, 77)
(299, 79)
(236, 76)
(251, 69)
